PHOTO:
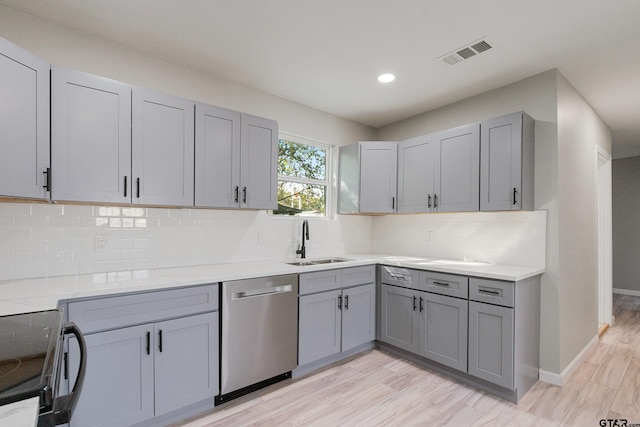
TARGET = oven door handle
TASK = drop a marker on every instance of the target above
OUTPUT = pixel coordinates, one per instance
(63, 406)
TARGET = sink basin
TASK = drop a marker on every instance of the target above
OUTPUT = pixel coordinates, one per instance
(317, 261)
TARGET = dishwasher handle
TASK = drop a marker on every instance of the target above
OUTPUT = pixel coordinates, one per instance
(262, 292)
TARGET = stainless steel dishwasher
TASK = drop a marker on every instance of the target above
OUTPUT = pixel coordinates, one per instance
(259, 333)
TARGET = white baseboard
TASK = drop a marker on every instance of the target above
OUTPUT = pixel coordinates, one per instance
(626, 292)
(559, 379)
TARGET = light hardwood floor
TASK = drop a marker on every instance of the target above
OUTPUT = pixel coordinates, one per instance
(378, 389)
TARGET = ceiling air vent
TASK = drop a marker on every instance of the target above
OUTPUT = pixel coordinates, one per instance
(466, 52)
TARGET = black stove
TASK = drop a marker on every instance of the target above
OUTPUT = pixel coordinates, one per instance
(31, 362)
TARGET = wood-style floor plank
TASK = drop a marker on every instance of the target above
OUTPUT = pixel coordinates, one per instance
(380, 389)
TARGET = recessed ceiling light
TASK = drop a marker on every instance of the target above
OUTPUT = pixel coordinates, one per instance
(386, 78)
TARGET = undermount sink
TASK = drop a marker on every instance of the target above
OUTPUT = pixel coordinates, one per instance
(317, 261)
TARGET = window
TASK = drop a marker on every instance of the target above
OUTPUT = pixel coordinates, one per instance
(303, 177)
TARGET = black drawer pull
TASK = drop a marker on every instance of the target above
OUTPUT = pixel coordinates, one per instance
(487, 291)
(441, 284)
(346, 302)
(339, 302)
(421, 304)
(414, 303)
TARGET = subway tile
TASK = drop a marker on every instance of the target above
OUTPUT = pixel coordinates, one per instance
(31, 221)
(46, 209)
(65, 221)
(29, 246)
(78, 210)
(15, 209)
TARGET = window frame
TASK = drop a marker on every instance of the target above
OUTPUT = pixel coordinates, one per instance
(327, 182)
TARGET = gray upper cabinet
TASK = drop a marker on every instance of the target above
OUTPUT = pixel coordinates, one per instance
(162, 149)
(418, 173)
(24, 123)
(439, 172)
(217, 157)
(90, 138)
(507, 163)
(236, 159)
(368, 177)
(457, 187)
(259, 158)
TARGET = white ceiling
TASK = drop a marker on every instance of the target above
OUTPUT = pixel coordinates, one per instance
(327, 53)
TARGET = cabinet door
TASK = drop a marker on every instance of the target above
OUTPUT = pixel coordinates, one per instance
(259, 164)
(90, 138)
(358, 316)
(118, 383)
(186, 361)
(399, 320)
(217, 157)
(443, 330)
(501, 171)
(320, 326)
(491, 343)
(163, 147)
(378, 175)
(459, 174)
(24, 122)
(416, 171)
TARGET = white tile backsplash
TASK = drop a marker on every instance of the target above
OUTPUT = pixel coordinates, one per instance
(38, 240)
(516, 238)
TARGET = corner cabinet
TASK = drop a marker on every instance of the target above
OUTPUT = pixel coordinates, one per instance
(368, 176)
(90, 138)
(162, 163)
(236, 159)
(336, 312)
(141, 368)
(24, 123)
(507, 163)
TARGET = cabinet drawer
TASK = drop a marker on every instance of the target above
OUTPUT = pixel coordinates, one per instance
(492, 291)
(399, 276)
(445, 284)
(320, 281)
(116, 312)
(358, 276)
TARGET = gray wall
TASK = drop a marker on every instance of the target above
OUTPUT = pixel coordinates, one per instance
(567, 132)
(626, 224)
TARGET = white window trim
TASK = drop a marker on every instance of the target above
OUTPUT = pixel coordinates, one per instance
(328, 176)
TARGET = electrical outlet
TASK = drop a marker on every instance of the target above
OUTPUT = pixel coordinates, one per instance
(100, 243)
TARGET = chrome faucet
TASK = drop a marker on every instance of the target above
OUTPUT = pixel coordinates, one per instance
(302, 250)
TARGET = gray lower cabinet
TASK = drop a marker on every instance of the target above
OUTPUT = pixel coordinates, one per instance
(491, 343)
(399, 317)
(24, 123)
(443, 330)
(136, 373)
(337, 312)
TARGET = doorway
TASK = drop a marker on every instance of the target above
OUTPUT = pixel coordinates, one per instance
(605, 248)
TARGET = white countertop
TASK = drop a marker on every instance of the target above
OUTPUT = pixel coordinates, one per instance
(20, 296)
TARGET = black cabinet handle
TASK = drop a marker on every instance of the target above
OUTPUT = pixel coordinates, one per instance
(47, 179)
(160, 340)
(429, 201)
(514, 195)
(435, 201)
(125, 186)
(346, 302)
(393, 202)
(487, 291)
(441, 284)
(244, 194)
(237, 193)
(414, 303)
(138, 188)
(421, 304)
(339, 302)
(148, 342)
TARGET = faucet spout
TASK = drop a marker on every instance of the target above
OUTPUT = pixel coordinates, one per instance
(302, 250)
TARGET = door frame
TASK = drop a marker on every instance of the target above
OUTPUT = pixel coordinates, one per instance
(605, 233)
